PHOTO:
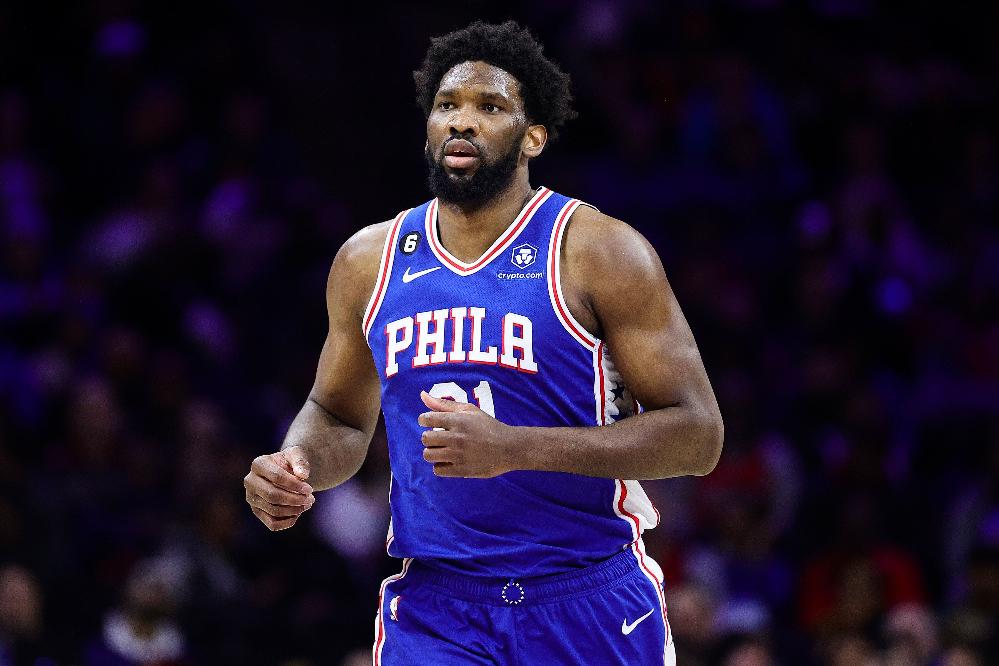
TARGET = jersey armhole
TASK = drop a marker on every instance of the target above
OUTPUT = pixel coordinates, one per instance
(384, 273)
(569, 323)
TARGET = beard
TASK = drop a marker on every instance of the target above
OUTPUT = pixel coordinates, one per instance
(474, 189)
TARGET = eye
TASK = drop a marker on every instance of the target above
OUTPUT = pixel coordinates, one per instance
(445, 106)
(490, 108)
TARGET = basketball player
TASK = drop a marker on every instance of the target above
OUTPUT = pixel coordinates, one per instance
(530, 360)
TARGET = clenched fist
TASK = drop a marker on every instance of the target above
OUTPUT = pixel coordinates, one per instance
(466, 441)
(276, 489)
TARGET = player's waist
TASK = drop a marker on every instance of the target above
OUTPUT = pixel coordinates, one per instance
(507, 591)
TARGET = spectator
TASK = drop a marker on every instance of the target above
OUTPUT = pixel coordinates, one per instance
(142, 630)
(22, 632)
(821, 181)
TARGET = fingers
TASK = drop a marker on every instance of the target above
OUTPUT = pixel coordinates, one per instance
(282, 462)
(432, 402)
(436, 420)
(268, 468)
(444, 469)
(276, 496)
(275, 512)
(276, 490)
(278, 510)
(439, 405)
(437, 455)
(299, 463)
(434, 438)
(275, 507)
(273, 524)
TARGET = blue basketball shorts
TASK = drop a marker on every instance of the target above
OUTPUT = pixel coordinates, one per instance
(613, 612)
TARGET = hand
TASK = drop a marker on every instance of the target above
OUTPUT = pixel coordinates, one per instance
(470, 443)
(276, 489)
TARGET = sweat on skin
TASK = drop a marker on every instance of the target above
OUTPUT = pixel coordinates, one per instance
(680, 431)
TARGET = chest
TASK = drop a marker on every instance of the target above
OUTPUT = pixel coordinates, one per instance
(508, 308)
(488, 319)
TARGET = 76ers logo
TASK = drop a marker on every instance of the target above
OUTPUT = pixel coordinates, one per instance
(524, 255)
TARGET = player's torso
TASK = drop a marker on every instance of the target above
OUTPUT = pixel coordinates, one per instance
(496, 332)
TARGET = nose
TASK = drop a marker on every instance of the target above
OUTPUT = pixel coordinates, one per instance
(463, 122)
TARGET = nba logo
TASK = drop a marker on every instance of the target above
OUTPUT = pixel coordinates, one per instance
(394, 608)
(524, 255)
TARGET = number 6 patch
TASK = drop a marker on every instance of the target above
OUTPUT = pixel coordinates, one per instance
(409, 242)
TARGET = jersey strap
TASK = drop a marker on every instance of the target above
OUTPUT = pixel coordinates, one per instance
(384, 273)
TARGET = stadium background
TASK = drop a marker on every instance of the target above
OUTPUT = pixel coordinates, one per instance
(820, 178)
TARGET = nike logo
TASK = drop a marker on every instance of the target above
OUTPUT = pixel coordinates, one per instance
(628, 628)
(409, 277)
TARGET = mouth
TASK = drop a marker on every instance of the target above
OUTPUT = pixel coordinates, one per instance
(460, 154)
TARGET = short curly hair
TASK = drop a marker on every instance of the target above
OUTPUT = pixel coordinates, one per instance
(545, 88)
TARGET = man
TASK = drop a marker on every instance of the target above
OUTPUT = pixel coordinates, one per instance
(483, 323)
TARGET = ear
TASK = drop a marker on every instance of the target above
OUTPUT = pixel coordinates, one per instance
(534, 140)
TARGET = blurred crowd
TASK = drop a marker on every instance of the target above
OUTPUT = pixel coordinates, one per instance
(821, 180)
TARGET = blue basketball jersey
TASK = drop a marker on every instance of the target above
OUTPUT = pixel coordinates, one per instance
(495, 332)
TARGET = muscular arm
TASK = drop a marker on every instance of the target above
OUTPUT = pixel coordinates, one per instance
(616, 288)
(620, 292)
(334, 426)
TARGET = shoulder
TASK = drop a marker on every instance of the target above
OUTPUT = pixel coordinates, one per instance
(596, 244)
(610, 272)
(364, 248)
(355, 266)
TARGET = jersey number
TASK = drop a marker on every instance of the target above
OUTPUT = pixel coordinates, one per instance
(451, 391)
(409, 243)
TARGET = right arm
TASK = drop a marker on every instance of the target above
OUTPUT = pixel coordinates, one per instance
(328, 440)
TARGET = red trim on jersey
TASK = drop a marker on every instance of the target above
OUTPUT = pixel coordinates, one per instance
(658, 585)
(512, 231)
(518, 363)
(561, 309)
(438, 328)
(386, 265)
(622, 511)
(603, 388)
(477, 325)
(502, 350)
(389, 359)
(457, 341)
(523, 348)
(380, 637)
(388, 342)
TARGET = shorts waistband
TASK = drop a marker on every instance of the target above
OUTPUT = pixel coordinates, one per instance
(499, 591)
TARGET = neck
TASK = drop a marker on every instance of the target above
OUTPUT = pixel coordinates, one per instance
(495, 214)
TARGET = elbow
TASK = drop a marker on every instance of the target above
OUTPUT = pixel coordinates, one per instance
(711, 441)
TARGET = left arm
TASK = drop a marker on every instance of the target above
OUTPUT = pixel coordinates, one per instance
(623, 294)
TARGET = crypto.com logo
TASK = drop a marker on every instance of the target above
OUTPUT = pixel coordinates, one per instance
(524, 255)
